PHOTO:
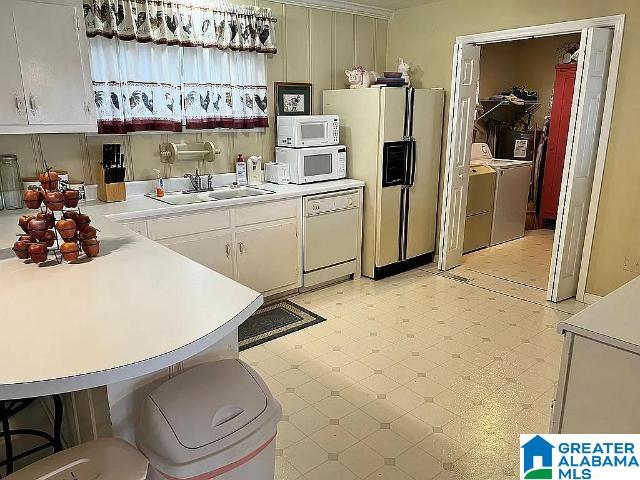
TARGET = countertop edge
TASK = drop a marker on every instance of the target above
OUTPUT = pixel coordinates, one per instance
(162, 210)
(612, 320)
(126, 372)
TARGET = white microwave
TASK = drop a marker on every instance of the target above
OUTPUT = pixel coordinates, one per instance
(314, 164)
(308, 131)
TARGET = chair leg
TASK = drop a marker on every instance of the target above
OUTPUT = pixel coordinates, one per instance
(6, 435)
(57, 423)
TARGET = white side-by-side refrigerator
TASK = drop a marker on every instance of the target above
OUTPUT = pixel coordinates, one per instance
(393, 138)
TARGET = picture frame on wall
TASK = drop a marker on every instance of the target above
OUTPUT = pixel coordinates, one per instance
(293, 99)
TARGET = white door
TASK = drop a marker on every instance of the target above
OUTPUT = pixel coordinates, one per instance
(464, 98)
(12, 106)
(267, 257)
(580, 161)
(53, 72)
(214, 250)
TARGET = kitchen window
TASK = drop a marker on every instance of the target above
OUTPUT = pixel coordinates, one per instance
(175, 66)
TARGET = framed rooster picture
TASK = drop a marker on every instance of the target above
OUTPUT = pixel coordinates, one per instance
(293, 98)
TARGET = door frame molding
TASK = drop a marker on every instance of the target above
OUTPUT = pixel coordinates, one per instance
(615, 22)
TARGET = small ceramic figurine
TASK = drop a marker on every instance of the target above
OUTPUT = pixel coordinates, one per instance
(404, 69)
(360, 78)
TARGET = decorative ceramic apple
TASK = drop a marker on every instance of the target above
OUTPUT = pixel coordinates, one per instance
(71, 198)
(32, 199)
(23, 222)
(21, 249)
(70, 251)
(38, 252)
(91, 247)
(49, 180)
(82, 221)
(54, 201)
(47, 217)
(87, 233)
(37, 228)
(48, 238)
(66, 228)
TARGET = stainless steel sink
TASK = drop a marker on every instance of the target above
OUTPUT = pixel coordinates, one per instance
(241, 192)
(226, 193)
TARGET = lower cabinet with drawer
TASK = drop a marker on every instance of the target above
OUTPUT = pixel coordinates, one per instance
(267, 256)
(256, 245)
(212, 249)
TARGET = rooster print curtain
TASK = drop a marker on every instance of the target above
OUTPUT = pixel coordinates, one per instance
(224, 89)
(151, 86)
(189, 23)
(137, 87)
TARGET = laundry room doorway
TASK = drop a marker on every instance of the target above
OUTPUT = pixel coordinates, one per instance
(523, 174)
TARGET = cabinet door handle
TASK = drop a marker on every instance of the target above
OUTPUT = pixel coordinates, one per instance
(227, 249)
(18, 104)
(241, 247)
(32, 103)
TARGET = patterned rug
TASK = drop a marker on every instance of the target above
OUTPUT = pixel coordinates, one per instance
(273, 321)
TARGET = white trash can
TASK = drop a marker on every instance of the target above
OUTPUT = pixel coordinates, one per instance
(215, 420)
(106, 459)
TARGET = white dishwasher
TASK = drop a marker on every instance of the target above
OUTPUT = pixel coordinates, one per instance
(331, 236)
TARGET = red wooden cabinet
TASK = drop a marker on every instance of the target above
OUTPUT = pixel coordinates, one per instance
(558, 132)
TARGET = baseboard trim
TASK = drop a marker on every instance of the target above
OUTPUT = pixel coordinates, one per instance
(590, 298)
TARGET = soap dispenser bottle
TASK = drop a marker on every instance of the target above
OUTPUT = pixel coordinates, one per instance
(241, 171)
(159, 184)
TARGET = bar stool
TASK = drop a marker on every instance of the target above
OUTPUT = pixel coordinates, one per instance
(10, 408)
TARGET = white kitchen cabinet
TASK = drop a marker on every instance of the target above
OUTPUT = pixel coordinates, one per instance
(598, 391)
(54, 94)
(257, 245)
(12, 105)
(213, 250)
(267, 256)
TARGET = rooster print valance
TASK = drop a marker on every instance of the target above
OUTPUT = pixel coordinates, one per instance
(189, 23)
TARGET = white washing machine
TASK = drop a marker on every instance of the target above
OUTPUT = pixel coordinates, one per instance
(513, 179)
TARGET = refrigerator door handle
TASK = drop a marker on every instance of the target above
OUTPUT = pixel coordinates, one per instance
(407, 162)
(410, 162)
(412, 154)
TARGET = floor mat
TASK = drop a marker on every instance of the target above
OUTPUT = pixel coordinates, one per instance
(275, 321)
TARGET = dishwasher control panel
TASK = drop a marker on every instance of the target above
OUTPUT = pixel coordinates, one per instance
(331, 202)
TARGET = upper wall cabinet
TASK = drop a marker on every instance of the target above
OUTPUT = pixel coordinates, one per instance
(45, 85)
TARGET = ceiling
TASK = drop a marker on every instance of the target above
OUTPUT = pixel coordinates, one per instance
(393, 4)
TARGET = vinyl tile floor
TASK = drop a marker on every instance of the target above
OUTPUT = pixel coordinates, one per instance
(525, 260)
(415, 377)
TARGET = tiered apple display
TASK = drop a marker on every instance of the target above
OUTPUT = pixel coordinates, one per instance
(74, 232)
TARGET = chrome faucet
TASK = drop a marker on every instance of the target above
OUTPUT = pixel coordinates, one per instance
(196, 180)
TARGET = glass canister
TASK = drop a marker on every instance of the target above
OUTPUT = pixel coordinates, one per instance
(10, 182)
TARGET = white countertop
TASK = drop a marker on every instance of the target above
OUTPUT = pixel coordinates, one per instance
(133, 310)
(614, 320)
(140, 207)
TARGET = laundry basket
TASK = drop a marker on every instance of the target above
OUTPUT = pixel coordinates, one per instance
(106, 459)
(215, 420)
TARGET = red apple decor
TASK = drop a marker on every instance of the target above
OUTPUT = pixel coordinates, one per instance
(32, 198)
(55, 228)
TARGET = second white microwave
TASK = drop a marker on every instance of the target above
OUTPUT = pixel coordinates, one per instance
(308, 131)
(314, 164)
